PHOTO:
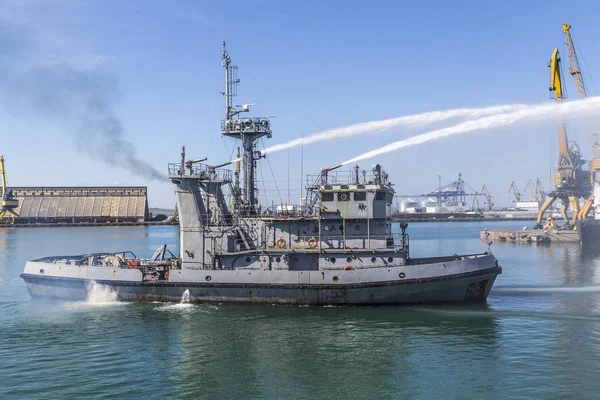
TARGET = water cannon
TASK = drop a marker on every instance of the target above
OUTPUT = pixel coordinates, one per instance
(326, 170)
(213, 167)
(189, 163)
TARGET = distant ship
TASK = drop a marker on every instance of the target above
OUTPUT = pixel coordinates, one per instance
(336, 248)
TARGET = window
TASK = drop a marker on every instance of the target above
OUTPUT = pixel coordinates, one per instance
(360, 196)
(380, 195)
(344, 196)
(326, 196)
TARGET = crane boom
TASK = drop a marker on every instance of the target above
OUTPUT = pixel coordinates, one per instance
(514, 190)
(529, 185)
(582, 92)
(3, 176)
(488, 198)
(574, 69)
(8, 203)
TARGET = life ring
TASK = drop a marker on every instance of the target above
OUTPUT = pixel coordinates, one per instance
(281, 243)
(312, 243)
(348, 267)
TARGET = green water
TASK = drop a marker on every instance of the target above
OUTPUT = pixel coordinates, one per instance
(537, 337)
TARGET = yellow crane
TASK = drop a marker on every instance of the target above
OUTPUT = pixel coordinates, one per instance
(571, 182)
(575, 72)
(9, 202)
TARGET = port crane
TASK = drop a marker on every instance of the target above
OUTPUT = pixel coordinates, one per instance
(488, 198)
(515, 191)
(582, 93)
(529, 185)
(539, 190)
(9, 203)
(571, 181)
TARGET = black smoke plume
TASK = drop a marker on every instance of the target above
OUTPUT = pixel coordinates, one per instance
(82, 101)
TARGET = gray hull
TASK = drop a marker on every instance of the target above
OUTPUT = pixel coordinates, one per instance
(465, 287)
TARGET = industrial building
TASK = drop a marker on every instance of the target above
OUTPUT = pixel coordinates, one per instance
(81, 204)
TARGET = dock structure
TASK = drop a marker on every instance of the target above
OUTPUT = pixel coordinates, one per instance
(73, 205)
(531, 236)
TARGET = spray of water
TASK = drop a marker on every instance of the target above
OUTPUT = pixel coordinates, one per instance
(185, 297)
(98, 294)
(530, 113)
(385, 125)
(393, 123)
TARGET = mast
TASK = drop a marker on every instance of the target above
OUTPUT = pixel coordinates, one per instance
(248, 130)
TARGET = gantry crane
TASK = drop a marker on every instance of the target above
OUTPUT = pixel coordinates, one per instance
(571, 182)
(515, 191)
(9, 202)
(575, 72)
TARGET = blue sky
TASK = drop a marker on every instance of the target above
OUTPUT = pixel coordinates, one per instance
(313, 64)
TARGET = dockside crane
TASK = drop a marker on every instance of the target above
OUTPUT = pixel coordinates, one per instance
(571, 181)
(515, 191)
(582, 93)
(529, 185)
(9, 203)
(488, 198)
(539, 189)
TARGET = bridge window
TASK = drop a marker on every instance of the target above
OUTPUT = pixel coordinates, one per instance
(380, 195)
(326, 196)
(360, 196)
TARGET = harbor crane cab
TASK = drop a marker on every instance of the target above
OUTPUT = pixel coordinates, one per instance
(9, 203)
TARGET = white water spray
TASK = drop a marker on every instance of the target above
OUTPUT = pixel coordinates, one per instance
(531, 112)
(385, 125)
(98, 294)
(185, 297)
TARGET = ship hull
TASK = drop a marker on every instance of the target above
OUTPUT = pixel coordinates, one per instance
(589, 232)
(471, 286)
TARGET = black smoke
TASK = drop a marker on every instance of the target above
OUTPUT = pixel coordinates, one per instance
(82, 101)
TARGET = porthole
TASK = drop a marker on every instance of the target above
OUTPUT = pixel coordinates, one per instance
(208, 278)
(333, 260)
(357, 227)
(402, 275)
(42, 271)
(373, 259)
(390, 259)
(278, 259)
(349, 259)
(247, 259)
(335, 279)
